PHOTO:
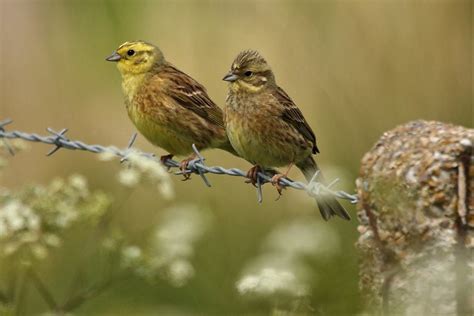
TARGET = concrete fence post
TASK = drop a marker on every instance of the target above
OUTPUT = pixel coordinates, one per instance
(416, 213)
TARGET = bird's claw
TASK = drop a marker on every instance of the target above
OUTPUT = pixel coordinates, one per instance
(183, 166)
(276, 183)
(252, 175)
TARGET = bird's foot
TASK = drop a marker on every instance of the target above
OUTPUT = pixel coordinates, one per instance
(252, 175)
(276, 183)
(183, 166)
(276, 180)
(163, 160)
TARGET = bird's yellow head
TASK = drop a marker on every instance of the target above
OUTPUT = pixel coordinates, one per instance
(249, 72)
(136, 57)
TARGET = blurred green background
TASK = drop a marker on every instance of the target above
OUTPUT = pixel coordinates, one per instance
(355, 69)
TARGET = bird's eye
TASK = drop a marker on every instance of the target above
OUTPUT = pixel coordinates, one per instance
(131, 52)
(248, 73)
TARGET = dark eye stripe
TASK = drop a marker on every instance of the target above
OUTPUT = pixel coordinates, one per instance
(266, 73)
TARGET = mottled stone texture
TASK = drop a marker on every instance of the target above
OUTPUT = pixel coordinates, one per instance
(416, 212)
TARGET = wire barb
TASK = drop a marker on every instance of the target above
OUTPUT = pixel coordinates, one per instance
(200, 159)
(129, 148)
(2, 129)
(197, 166)
(57, 141)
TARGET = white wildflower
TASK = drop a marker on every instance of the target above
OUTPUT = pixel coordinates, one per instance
(39, 251)
(56, 186)
(180, 271)
(37, 227)
(16, 216)
(182, 223)
(107, 156)
(129, 177)
(52, 240)
(248, 284)
(172, 245)
(11, 212)
(78, 182)
(131, 255)
(132, 252)
(304, 237)
(142, 167)
(283, 267)
(179, 229)
(16, 222)
(270, 281)
(33, 222)
(148, 166)
(166, 190)
(66, 216)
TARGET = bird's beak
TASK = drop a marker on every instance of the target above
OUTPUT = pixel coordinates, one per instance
(231, 77)
(114, 57)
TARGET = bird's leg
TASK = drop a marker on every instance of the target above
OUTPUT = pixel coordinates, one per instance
(252, 175)
(183, 166)
(164, 158)
(276, 179)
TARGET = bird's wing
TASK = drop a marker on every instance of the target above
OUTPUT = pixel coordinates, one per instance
(190, 94)
(292, 115)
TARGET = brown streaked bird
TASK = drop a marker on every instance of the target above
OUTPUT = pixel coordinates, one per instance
(266, 127)
(168, 107)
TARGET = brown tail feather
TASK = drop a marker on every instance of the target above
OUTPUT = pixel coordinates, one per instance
(328, 205)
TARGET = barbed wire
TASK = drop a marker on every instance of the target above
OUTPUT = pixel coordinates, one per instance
(196, 166)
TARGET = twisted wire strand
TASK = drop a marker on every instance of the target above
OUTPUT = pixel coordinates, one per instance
(196, 166)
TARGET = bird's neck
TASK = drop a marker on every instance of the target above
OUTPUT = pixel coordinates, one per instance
(243, 87)
(131, 83)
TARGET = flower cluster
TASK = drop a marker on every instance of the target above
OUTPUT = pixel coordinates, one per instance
(36, 219)
(139, 168)
(169, 247)
(282, 270)
(33, 219)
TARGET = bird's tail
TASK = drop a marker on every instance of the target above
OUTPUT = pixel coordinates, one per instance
(328, 205)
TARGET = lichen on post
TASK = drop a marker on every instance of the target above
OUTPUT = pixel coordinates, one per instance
(416, 215)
